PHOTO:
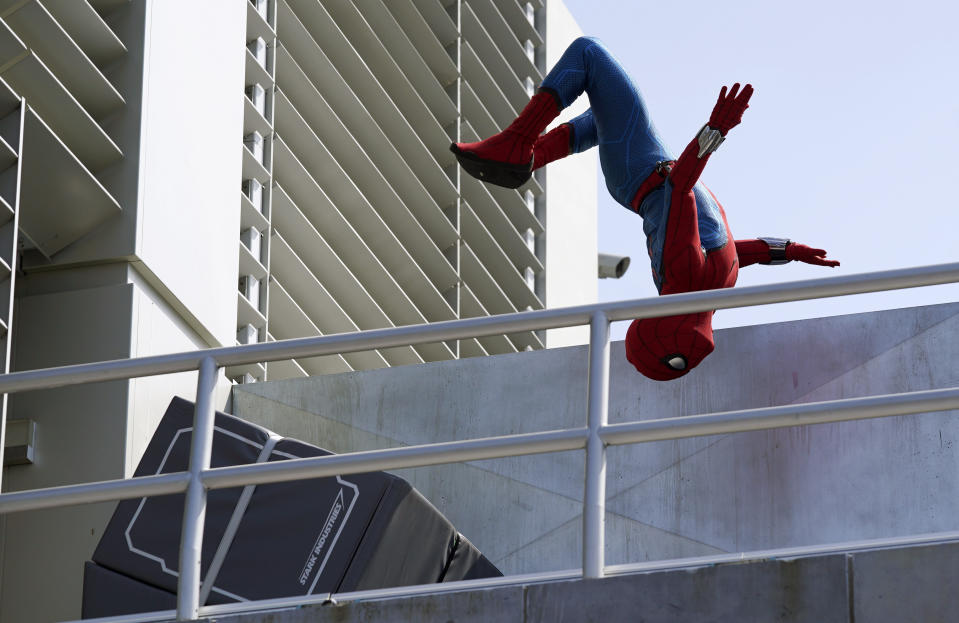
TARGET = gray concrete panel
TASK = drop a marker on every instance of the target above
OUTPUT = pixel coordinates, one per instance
(627, 541)
(85, 433)
(790, 487)
(878, 586)
(908, 584)
(522, 511)
(81, 436)
(813, 590)
(804, 590)
(835, 482)
(503, 605)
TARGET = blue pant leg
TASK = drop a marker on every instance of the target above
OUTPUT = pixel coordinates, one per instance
(629, 145)
(584, 132)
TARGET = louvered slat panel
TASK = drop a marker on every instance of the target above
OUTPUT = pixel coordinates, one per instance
(495, 220)
(87, 29)
(514, 12)
(491, 296)
(430, 43)
(472, 308)
(410, 210)
(29, 77)
(408, 270)
(438, 20)
(344, 240)
(408, 60)
(513, 50)
(292, 322)
(316, 302)
(353, 274)
(51, 178)
(516, 208)
(38, 29)
(323, 48)
(488, 49)
(495, 261)
(330, 270)
(282, 370)
(472, 348)
(500, 110)
(358, 142)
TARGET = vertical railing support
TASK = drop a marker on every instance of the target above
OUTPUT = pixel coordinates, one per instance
(194, 509)
(594, 504)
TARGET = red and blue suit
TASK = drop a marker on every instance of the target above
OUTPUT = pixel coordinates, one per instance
(687, 234)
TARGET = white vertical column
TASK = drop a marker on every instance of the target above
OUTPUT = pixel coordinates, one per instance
(458, 180)
(194, 509)
(10, 284)
(594, 504)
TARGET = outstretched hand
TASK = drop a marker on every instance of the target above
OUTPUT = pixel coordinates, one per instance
(729, 108)
(802, 253)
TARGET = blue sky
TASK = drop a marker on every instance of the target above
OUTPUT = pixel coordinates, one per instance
(851, 141)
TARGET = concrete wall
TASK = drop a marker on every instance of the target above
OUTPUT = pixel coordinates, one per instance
(790, 487)
(880, 586)
(43, 551)
(84, 433)
(571, 204)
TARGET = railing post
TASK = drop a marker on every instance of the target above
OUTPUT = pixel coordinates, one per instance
(194, 509)
(594, 503)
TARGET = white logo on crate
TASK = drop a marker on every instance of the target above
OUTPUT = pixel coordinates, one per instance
(335, 522)
(321, 540)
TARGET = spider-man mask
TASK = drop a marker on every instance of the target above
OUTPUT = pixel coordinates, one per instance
(664, 349)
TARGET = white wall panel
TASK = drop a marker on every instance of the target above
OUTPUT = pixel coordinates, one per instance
(191, 155)
(571, 205)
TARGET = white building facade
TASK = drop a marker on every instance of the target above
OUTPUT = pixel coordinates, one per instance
(181, 175)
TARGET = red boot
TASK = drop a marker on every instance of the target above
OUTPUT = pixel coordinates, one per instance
(505, 159)
(552, 146)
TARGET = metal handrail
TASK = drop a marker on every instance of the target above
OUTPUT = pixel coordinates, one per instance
(485, 448)
(652, 307)
(593, 438)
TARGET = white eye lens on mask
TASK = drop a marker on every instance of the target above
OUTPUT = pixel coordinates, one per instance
(676, 362)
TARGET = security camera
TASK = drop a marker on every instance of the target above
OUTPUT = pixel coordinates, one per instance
(612, 266)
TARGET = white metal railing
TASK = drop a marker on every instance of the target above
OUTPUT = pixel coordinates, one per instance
(594, 437)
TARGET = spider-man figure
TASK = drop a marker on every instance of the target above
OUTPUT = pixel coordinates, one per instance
(688, 239)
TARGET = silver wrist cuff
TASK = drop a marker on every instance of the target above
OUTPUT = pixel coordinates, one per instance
(709, 140)
(777, 250)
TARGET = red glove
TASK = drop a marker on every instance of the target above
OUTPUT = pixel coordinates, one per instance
(729, 109)
(802, 253)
